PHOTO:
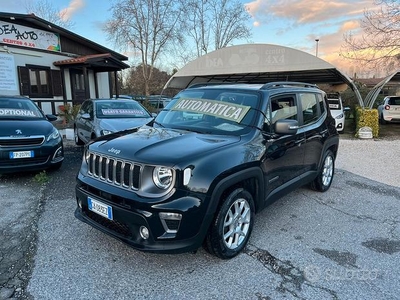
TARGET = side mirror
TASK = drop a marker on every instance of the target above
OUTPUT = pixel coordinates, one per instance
(286, 126)
(86, 116)
(51, 118)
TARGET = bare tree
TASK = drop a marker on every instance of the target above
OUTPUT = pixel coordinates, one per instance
(46, 10)
(379, 45)
(135, 84)
(148, 27)
(214, 24)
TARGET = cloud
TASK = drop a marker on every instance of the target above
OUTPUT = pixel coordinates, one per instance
(305, 11)
(74, 6)
(327, 21)
(350, 25)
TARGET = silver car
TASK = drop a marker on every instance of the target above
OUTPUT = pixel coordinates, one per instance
(98, 117)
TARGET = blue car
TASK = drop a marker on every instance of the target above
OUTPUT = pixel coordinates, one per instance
(28, 139)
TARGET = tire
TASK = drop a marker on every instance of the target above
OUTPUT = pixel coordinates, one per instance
(382, 120)
(232, 226)
(77, 140)
(325, 175)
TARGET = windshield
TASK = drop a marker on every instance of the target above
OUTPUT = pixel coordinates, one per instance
(334, 104)
(120, 109)
(19, 108)
(211, 111)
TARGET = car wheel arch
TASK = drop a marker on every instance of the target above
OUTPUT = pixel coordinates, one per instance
(250, 179)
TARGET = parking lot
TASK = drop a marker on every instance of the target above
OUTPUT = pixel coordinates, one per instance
(343, 244)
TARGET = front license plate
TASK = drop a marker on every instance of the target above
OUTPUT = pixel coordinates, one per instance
(21, 154)
(100, 208)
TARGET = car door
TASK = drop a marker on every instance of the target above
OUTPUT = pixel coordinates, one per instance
(283, 162)
(313, 114)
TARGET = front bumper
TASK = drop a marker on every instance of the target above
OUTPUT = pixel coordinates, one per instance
(130, 213)
(339, 124)
(45, 156)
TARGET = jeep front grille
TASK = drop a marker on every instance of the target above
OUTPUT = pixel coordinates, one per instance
(114, 171)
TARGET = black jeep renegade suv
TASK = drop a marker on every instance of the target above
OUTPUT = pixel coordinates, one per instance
(198, 173)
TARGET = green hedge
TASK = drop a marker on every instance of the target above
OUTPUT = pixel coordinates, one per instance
(367, 117)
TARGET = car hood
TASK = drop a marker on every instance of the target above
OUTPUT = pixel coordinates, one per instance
(25, 127)
(160, 145)
(122, 124)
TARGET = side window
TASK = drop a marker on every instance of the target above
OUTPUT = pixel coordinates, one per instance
(310, 107)
(84, 107)
(90, 109)
(283, 108)
(322, 103)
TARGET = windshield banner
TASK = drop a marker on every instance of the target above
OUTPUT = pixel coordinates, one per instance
(17, 112)
(122, 111)
(225, 110)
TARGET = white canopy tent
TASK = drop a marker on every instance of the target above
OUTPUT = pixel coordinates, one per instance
(374, 93)
(259, 63)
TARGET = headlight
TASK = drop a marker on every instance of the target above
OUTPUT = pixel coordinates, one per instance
(162, 177)
(339, 116)
(105, 132)
(54, 135)
(86, 155)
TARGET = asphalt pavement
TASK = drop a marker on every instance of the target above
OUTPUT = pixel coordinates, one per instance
(342, 244)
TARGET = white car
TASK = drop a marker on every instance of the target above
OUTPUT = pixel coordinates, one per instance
(337, 111)
(389, 110)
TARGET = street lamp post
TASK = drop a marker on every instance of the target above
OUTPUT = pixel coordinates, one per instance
(316, 47)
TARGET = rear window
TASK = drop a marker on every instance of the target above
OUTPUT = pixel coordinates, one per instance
(394, 101)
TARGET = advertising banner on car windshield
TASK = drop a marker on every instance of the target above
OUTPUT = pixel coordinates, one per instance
(122, 111)
(12, 112)
(225, 110)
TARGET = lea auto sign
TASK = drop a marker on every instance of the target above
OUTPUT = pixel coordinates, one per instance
(14, 34)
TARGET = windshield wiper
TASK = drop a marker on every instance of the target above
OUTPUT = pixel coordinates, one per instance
(155, 122)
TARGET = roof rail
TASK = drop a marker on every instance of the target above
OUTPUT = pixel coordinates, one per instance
(201, 84)
(275, 84)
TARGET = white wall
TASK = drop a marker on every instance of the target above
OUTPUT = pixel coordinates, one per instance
(23, 57)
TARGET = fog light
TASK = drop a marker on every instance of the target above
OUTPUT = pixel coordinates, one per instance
(144, 232)
(80, 204)
(58, 153)
(170, 221)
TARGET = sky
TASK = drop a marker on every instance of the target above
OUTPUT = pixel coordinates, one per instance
(291, 23)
